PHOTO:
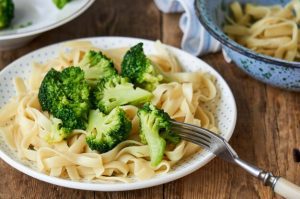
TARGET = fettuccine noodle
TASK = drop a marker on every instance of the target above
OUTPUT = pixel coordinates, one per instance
(270, 30)
(23, 124)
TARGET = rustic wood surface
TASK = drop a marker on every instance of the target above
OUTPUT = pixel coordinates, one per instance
(267, 129)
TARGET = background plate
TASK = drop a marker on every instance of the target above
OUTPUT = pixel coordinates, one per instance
(36, 16)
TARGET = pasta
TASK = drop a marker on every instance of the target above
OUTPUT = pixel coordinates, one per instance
(270, 30)
(23, 124)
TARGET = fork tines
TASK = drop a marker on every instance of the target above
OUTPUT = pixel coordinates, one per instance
(192, 133)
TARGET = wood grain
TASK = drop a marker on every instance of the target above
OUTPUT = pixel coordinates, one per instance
(267, 127)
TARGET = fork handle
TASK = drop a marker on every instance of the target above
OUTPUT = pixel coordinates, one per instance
(280, 185)
(286, 189)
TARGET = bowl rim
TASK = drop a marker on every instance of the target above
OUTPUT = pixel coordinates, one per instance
(56, 24)
(237, 47)
(120, 186)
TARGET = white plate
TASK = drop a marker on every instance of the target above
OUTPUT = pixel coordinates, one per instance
(42, 15)
(225, 114)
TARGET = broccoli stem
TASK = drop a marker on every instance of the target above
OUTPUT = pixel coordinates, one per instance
(155, 130)
(157, 145)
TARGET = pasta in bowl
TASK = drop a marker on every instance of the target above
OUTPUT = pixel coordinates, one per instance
(202, 98)
(257, 47)
(270, 30)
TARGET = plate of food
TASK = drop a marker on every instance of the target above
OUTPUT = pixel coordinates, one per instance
(21, 20)
(95, 113)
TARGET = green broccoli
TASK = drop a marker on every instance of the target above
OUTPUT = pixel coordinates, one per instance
(116, 91)
(106, 131)
(139, 69)
(6, 13)
(155, 131)
(66, 95)
(142, 72)
(60, 4)
(57, 133)
(96, 66)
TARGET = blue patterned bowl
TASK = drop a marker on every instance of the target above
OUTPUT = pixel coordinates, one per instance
(273, 71)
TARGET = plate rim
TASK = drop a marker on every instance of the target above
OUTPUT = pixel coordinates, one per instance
(51, 26)
(83, 185)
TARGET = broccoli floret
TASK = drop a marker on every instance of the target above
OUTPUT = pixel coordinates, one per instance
(66, 95)
(60, 4)
(155, 131)
(6, 13)
(116, 91)
(57, 133)
(142, 72)
(97, 66)
(106, 131)
(139, 69)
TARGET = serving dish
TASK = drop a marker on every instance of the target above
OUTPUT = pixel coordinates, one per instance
(32, 18)
(224, 110)
(273, 71)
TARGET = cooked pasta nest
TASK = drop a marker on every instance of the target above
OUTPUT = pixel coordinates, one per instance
(23, 123)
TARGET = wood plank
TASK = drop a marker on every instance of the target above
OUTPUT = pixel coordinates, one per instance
(153, 193)
(284, 113)
(14, 184)
(171, 33)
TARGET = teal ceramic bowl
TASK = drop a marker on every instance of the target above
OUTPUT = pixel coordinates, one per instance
(273, 71)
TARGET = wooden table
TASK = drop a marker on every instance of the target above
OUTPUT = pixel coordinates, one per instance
(267, 129)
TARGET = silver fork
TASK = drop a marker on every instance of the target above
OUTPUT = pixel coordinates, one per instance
(220, 147)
